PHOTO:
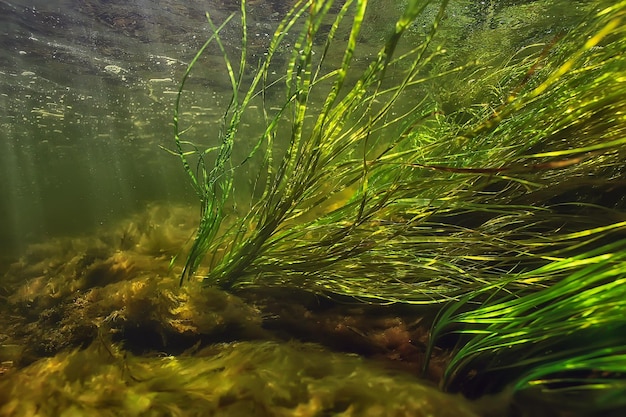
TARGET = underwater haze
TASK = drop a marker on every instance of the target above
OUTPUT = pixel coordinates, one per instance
(87, 92)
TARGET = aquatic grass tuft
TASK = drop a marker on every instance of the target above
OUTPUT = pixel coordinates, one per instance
(301, 180)
(565, 342)
(363, 186)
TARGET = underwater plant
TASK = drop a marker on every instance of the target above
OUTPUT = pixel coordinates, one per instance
(362, 187)
(562, 346)
(508, 215)
(559, 344)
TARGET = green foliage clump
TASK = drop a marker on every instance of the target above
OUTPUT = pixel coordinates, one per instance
(375, 192)
(563, 344)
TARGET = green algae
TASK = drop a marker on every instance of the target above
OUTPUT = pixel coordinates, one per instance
(247, 378)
